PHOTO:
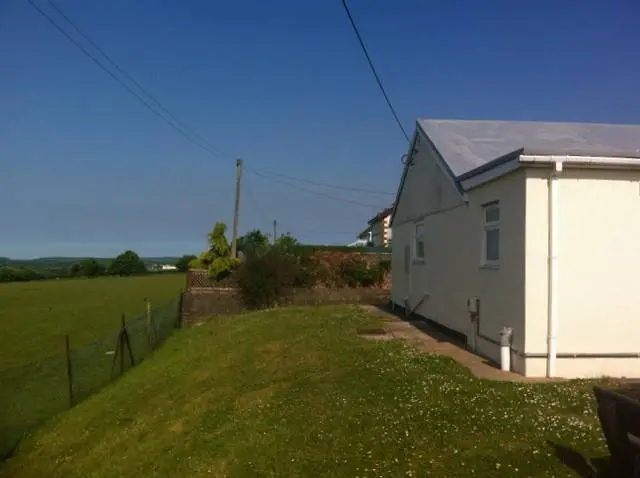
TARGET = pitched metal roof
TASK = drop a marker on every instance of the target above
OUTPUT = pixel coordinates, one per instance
(468, 144)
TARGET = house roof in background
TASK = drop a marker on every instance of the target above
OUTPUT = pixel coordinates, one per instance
(469, 144)
(381, 215)
(364, 233)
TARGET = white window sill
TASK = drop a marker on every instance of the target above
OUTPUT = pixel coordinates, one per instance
(418, 262)
(489, 266)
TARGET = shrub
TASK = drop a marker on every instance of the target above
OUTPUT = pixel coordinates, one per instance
(384, 265)
(217, 259)
(382, 270)
(268, 279)
(306, 275)
(348, 269)
(357, 273)
(326, 265)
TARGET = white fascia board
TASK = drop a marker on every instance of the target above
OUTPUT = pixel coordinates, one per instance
(550, 159)
(578, 159)
(490, 174)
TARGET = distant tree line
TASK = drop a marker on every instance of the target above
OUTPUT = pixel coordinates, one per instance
(126, 264)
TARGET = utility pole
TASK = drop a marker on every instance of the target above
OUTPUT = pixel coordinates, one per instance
(236, 209)
(275, 226)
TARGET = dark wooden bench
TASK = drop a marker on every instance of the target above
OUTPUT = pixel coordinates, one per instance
(620, 420)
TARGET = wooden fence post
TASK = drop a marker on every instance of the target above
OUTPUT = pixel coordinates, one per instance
(150, 327)
(180, 306)
(67, 346)
(121, 344)
(125, 337)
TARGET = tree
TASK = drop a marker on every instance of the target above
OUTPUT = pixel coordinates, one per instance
(75, 270)
(183, 263)
(92, 268)
(7, 274)
(217, 259)
(19, 274)
(253, 242)
(127, 264)
(286, 243)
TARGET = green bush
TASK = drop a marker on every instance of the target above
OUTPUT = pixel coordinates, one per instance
(356, 273)
(384, 265)
(306, 275)
(266, 280)
(347, 249)
(382, 269)
(217, 259)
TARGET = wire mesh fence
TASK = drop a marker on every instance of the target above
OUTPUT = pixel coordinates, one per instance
(32, 393)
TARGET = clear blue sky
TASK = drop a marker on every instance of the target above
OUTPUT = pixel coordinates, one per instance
(86, 170)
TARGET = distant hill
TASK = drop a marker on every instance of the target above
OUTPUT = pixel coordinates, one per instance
(63, 262)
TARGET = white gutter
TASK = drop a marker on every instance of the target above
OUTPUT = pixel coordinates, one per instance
(552, 327)
(488, 175)
(580, 159)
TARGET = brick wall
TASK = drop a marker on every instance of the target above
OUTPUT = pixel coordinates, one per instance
(206, 304)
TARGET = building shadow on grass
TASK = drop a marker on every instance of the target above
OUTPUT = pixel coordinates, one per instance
(433, 329)
(586, 468)
(426, 326)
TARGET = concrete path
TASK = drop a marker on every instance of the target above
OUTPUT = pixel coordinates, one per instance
(418, 334)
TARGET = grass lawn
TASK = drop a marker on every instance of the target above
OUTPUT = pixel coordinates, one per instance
(35, 316)
(295, 392)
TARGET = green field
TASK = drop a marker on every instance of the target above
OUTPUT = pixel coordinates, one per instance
(296, 392)
(35, 316)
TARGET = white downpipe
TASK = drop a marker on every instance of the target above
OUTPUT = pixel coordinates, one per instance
(552, 326)
(505, 358)
(505, 348)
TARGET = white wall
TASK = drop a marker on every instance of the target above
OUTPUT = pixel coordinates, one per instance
(380, 232)
(598, 267)
(452, 272)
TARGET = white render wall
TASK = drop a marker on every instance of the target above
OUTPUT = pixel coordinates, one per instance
(598, 271)
(598, 263)
(452, 271)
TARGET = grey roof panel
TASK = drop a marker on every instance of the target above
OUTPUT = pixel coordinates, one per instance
(469, 144)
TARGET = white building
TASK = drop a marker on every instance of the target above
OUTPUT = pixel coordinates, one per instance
(538, 221)
(378, 232)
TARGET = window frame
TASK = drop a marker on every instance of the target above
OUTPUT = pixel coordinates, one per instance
(416, 238)
(487, 226)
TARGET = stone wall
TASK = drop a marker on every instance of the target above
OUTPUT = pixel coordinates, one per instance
(206, 304)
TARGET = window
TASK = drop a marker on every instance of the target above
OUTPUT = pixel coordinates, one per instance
(418, 246)
(491, 242)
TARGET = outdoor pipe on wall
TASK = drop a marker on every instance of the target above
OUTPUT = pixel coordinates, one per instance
(474, 314)
(552, 301)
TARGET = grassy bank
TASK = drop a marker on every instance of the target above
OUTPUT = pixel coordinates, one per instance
(35, 316)
(296, 392)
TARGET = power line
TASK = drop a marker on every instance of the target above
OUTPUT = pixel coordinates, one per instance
(119, 81)
(326, 185)
(131, 79)
(319, 231)
(317, 193)
(174, 122)
(249, 192)
(373, 70)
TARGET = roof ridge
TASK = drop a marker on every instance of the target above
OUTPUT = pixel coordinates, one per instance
(572, 123)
